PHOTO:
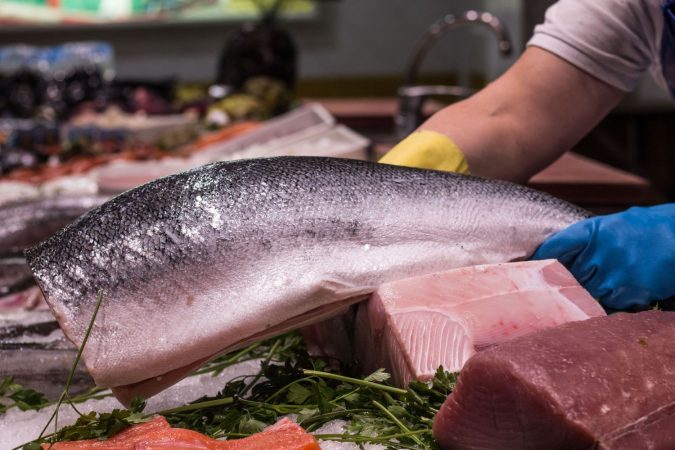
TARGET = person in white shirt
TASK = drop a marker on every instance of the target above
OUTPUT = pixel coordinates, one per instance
(576, 68)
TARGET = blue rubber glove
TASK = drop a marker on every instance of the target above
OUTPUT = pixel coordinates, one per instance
(626, 260)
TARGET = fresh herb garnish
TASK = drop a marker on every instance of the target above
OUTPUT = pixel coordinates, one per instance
(290, 381)
(14, 395)
(65, 395)
(99, 425)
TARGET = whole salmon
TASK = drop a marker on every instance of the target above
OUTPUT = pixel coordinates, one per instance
(208, 260)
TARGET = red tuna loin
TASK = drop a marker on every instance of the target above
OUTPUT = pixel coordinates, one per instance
(414, 325)
(607, 383)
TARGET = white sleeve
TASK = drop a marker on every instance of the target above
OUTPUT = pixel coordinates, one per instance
(615, 41)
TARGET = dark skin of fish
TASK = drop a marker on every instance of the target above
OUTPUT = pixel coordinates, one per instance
(15, 275)
(169, 202)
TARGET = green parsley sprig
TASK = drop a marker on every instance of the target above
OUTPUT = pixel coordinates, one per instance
(289, 382)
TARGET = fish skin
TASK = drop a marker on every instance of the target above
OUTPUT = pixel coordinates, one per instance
(27, 222)
(195, 264)
(15, 275)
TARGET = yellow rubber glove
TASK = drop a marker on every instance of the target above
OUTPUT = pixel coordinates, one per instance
(427, 149)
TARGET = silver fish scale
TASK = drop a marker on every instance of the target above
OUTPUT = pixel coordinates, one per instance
(223, 208)
(238, 227)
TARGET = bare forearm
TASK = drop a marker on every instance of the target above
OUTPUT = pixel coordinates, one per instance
(527, 118)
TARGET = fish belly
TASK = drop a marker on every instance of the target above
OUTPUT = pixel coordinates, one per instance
(607, 382)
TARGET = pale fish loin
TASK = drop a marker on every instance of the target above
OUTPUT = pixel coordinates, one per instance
(412, 326)
(203, 262)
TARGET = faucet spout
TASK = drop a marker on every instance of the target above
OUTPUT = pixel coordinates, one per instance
(448, 23)
(411, 96)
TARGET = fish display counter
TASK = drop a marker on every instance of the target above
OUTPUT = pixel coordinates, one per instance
(179, 287)
(225, 264)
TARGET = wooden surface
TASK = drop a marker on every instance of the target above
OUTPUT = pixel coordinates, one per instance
(580, 180)
(590, 183)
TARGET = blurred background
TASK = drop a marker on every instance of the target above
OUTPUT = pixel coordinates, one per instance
(81, 72)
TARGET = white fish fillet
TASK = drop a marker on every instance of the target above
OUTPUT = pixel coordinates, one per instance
(414, 325)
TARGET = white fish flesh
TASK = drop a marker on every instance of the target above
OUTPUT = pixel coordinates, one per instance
(412, 326)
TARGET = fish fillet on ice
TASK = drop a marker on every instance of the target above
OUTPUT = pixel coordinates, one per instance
(206, 261)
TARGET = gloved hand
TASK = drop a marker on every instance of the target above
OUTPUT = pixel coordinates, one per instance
(625, 260)
(427, 149)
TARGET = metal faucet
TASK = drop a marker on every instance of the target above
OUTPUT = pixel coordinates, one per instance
(411, 96)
